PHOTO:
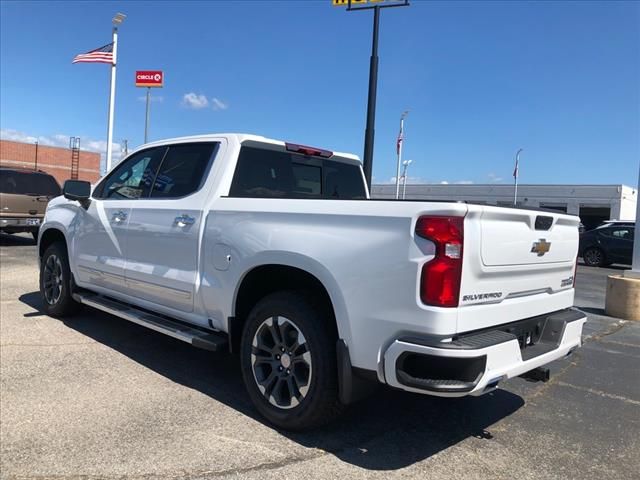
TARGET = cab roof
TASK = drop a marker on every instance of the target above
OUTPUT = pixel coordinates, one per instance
(240, 138)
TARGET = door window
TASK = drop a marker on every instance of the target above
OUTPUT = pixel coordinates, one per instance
(623, 233)
(133, 178)
(183, 170)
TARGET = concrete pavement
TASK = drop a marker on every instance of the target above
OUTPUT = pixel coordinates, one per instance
(97, 397)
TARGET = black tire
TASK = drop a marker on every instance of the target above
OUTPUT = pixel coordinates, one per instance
(292, 312)
(56, 282)
(594, 257)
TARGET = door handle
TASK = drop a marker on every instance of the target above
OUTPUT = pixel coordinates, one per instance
(184, 220)
(119, 216)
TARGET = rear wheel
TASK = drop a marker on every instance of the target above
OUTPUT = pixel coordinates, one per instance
(288, 362)
(594, 257)
(56, 283)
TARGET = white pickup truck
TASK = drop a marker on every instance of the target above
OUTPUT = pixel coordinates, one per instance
(275, 251)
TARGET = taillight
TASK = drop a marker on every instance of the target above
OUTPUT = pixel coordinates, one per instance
(440, 282)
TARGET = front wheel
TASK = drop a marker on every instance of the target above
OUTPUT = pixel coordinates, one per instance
(288, 359)
(55, 282)
(593, 257)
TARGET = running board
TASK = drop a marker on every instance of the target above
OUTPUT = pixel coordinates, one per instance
(212, 341)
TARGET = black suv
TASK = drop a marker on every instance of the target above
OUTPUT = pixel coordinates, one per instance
(607, 244)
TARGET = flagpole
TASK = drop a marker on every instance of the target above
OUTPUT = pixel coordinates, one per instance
(112, 99)
(399, 143)
(515, 177)
(117, 20)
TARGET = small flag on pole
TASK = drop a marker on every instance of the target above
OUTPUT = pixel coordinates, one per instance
(515, 170)
(99, 55)
(399, 142)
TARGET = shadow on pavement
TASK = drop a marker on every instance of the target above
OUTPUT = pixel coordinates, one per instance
(9, 240)
(388, 431)
(592, 310)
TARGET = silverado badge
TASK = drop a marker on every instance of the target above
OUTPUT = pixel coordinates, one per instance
(541, 247)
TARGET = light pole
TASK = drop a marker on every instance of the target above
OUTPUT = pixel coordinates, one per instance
(405, 164)
(117, 20)
(399, 151)
(367, 160)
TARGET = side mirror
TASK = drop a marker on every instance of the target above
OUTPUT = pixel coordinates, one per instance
(77, 190)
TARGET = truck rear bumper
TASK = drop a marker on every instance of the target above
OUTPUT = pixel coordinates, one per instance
(474, 363)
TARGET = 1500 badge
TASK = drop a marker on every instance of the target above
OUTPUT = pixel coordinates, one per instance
(566, 282)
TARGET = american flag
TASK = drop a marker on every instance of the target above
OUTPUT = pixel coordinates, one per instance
(99, 55)
(399, 142)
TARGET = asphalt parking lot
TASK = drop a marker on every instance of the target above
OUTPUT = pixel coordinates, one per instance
(97, 397)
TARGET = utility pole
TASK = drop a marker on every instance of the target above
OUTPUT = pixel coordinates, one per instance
(125, 142)
(36, 162)
(369, 133)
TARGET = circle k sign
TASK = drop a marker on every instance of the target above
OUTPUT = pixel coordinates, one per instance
(149, 78)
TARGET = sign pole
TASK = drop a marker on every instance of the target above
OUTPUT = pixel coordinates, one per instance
(146, 120)
(369, 133)
(112, 99)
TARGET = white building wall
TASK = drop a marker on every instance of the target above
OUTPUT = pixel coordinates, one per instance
(619, 199)
(628, 203)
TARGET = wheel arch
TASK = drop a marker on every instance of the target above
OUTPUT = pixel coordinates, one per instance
(266, 278)
(49, 237)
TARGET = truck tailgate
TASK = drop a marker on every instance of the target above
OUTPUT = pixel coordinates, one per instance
(517, 264)
(525, 237)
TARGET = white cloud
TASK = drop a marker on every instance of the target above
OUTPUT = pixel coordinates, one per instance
(444, 182)
(218, 104)
(195, 101)
(494, 178)
(61, 140)
(154, 99)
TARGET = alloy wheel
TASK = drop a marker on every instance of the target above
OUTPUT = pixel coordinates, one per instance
(281, 362)
(53, 279)
(593, 256)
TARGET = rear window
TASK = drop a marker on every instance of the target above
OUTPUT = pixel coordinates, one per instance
(262, 173)
(27, 183)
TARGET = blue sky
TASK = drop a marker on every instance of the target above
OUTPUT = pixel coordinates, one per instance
(481, 79)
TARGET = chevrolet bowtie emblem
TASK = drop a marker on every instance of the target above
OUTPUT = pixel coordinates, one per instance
(541, 247)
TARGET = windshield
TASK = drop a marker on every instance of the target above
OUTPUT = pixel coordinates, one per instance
(28, 183)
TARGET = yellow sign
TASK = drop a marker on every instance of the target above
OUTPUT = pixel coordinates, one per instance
(345, 3)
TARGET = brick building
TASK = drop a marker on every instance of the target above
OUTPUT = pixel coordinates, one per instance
(53, 160)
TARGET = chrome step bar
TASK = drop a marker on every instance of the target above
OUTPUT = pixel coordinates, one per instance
(212, 341)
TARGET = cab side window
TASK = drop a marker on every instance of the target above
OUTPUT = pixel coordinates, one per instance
(133, 178)
(183, 170)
